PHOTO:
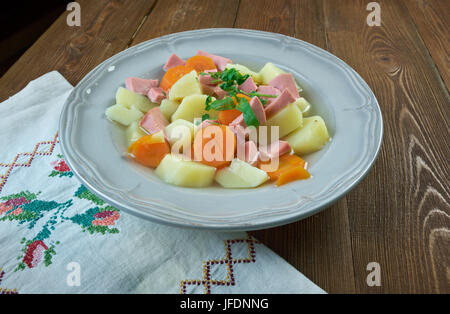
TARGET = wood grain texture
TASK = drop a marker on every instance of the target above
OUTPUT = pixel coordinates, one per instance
(171, 16)
(74, 51)
(399, 215)
(318, 246)
(431, 20)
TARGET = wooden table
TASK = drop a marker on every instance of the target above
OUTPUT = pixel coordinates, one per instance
(399, 216)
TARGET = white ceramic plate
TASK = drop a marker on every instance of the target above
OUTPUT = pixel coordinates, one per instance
(94, 147)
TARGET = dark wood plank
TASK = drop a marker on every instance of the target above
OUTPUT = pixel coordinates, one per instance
(318, 246)
(400, 214)
(171, 16)
(265, 15)
(431, 19)
(106, 28)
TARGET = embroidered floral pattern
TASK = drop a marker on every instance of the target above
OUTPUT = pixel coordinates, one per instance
(25, 208)
(60, 168)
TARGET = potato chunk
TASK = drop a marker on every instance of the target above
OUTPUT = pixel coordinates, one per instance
(180, 135)
(123, 115)
(186, 86)
(168, 108)
(313, 136)
(193, 107)
(128, 98)
(134, 132)
(174, 170)
(269, 72)
(241, 175)
(303, 105)
(288, 119)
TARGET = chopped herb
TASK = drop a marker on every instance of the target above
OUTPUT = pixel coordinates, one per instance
(219, 105)
(231, 79)
(232, 75)
(247, 111)
(205, 117)
(260, 95)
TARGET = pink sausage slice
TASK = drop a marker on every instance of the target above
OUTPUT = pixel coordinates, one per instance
(156, 94)
(274, 150)
(154, 121)
(140, 86)
(248, 86)
(258, 110)
(268, 90)
(251, 153)
(206, 79)
(285, 81)
(279, 103)
(220, 62)
(173, 61)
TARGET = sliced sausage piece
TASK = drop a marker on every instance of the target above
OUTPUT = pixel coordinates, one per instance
(173, 61)
(248, 86)
(258, 110)
(154, 121)
(251, 153)
(140, 86)
(268, 90)
(156, 94)
(285, 81)
(220, 62)
(279, 103)
(274, 150)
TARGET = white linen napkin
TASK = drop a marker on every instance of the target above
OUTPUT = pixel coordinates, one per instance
(57, 237)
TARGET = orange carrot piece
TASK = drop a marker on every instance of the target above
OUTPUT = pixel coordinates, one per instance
(149, 151)
(227, 116)
(284, 163)
(201, 63)
(292, 174)
(212, 138)
(242, 96)
(173, 75)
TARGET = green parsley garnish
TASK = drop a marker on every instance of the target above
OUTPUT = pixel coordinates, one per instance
(231, 79)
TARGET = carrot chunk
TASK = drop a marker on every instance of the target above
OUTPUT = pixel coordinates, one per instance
(173, 75)
(292, 174)
(215, 145)
(201, 63)
(285, 162)
(149, 150)
(242, 96)
(227, 116)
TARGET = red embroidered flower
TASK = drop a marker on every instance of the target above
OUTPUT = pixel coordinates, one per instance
(16, 212)
(34, 253)
(62, 166)
(106, 218)
(4, 208)
(16, 201)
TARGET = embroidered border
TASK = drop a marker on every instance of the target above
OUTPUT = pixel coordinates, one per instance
(4, 290)
(32, 155)
(228, 260)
